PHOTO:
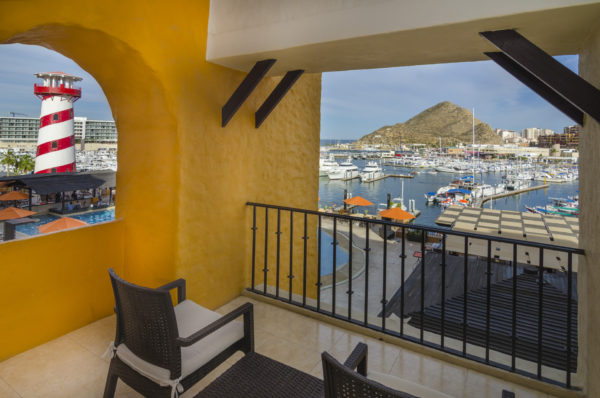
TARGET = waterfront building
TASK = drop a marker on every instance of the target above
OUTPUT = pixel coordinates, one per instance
(19, 129)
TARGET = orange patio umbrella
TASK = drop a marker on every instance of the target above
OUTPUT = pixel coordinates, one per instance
(357, 201)
(11, 213)
(14, 195)
(396, 213)
(60, 224)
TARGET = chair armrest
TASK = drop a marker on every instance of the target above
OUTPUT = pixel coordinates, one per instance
(247, 310)
(180, 285)
(358, 359)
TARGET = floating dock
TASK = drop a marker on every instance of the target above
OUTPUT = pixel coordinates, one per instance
(384, 177)
(480, 201)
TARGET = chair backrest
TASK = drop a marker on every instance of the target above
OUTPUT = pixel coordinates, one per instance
(146, 324)
(343, 382)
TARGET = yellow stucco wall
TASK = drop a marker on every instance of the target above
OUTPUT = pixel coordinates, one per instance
(589, 272)
(55, 283)
(182, 180)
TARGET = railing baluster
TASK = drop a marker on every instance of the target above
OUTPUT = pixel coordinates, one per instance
(334, 272)
(367, 250)
(278, 233)
(569, 314)
(291, 274)
(253, 245)
(402, 257)
(442, 330)
(265, 269)
(422, 332)
(383, 300)
(465, 291)
(488, 300)
(514, 310)
(305, 237)
(540, 312)
(350, 291)
(319, 248)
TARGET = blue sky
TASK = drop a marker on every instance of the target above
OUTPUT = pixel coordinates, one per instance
(19, 63)
(353, 103)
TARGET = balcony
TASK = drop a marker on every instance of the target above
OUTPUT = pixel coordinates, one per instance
(72, 366)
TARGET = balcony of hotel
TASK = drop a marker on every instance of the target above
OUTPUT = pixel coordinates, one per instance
(217, 184)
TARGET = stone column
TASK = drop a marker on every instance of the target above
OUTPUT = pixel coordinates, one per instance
(589, 238)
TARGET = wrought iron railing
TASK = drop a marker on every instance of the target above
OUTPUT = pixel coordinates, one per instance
(503, 302)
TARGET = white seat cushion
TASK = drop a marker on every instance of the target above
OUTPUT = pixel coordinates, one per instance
(406, 386)
(190, 318)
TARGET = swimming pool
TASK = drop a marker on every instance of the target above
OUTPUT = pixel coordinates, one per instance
(93, 217)
(341, 255)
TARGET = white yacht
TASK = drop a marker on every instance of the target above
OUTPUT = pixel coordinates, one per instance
(371, 172)
(344, 170)
(327, 165)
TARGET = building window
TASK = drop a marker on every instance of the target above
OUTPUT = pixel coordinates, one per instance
(53, 170)
(54, 145)
(55, 116)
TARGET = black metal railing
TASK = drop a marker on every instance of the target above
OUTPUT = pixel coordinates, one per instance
(509, 310)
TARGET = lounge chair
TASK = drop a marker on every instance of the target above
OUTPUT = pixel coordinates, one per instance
(161, 350)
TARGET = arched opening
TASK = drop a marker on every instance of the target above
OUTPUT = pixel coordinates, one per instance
(74, 133)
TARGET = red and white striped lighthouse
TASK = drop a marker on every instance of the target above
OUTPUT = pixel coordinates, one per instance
(56, 138)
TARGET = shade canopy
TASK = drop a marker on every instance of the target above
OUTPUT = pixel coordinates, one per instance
(459, 190)
(14, 195)
(60, 224)
(357, 201)
(11, 213)
(396, 213)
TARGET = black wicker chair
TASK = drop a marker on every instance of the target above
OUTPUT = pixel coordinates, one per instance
(161, 350)
(343, 381)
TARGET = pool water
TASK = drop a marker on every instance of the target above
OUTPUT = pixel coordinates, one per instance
(341, 255)
(93, 217)
(32, 228)
(96, 216)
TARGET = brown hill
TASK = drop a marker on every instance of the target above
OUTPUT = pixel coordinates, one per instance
(446, 120)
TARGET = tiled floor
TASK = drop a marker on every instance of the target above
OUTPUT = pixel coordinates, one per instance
(71, 366)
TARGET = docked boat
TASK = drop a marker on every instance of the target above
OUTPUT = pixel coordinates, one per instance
(327, 165)
(344, 171)
(371, 172)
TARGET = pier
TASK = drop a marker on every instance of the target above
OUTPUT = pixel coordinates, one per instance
(480, 201)
(384, 177)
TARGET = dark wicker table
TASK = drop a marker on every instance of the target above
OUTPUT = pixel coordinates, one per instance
(257, 376)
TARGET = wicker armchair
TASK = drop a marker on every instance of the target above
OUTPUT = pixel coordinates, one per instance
(161, 350)
(342, 381)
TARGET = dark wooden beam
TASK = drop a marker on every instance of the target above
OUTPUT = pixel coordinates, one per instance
(547, 70)
(259, 70)
(276, 96)
(536, 85)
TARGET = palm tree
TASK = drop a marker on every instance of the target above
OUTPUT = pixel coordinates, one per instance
(9, 159)
(25, 164)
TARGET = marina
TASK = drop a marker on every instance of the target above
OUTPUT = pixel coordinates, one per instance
(427, 180)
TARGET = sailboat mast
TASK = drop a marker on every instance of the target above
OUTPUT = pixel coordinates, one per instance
(473, 153)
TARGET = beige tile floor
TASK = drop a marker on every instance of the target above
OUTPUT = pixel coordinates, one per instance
(71, 366)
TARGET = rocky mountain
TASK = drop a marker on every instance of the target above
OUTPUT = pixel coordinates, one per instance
(446, 120)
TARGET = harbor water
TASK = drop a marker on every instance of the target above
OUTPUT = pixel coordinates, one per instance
(331, 192)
